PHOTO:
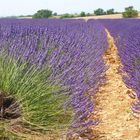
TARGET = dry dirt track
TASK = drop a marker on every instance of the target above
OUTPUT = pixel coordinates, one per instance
(113, 103)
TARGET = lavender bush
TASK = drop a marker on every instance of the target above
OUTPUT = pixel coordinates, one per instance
(72, 50)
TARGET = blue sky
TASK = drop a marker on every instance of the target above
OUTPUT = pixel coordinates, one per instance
(25, 7)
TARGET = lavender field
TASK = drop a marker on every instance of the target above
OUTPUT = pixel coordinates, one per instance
(51, 72)
(127, 38)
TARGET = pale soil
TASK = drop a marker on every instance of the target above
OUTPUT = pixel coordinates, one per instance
(113, 104)
(24, 17)
(114, 16)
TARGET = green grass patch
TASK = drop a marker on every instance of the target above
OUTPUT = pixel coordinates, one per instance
(39, 98)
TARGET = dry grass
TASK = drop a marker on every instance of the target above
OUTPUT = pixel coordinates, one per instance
(114, 16)
(24, 17)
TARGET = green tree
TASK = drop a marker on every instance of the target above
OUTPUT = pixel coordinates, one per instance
(82, 14)
(99, 11)
(130, 12)
(55, 14)
(66, 15)
(44, 13)
(88, 14)
(110, 11)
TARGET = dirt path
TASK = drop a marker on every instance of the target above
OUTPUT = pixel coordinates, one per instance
(114, 104)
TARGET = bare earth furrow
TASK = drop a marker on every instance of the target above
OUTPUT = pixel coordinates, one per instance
(114, 104)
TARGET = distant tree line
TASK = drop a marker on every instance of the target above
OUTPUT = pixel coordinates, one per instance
(130, 12)
(45, 13)
(82, 14)
(100, 11)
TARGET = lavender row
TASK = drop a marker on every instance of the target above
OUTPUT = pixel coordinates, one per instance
(127, 38)
(72, 48)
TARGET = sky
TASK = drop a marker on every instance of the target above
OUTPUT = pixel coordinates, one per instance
(29, 7)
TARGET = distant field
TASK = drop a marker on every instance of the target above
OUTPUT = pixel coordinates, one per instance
(102, 17)
(24, 17)
(114, 16)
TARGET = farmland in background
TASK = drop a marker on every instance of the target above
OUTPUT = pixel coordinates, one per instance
(112, 16)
